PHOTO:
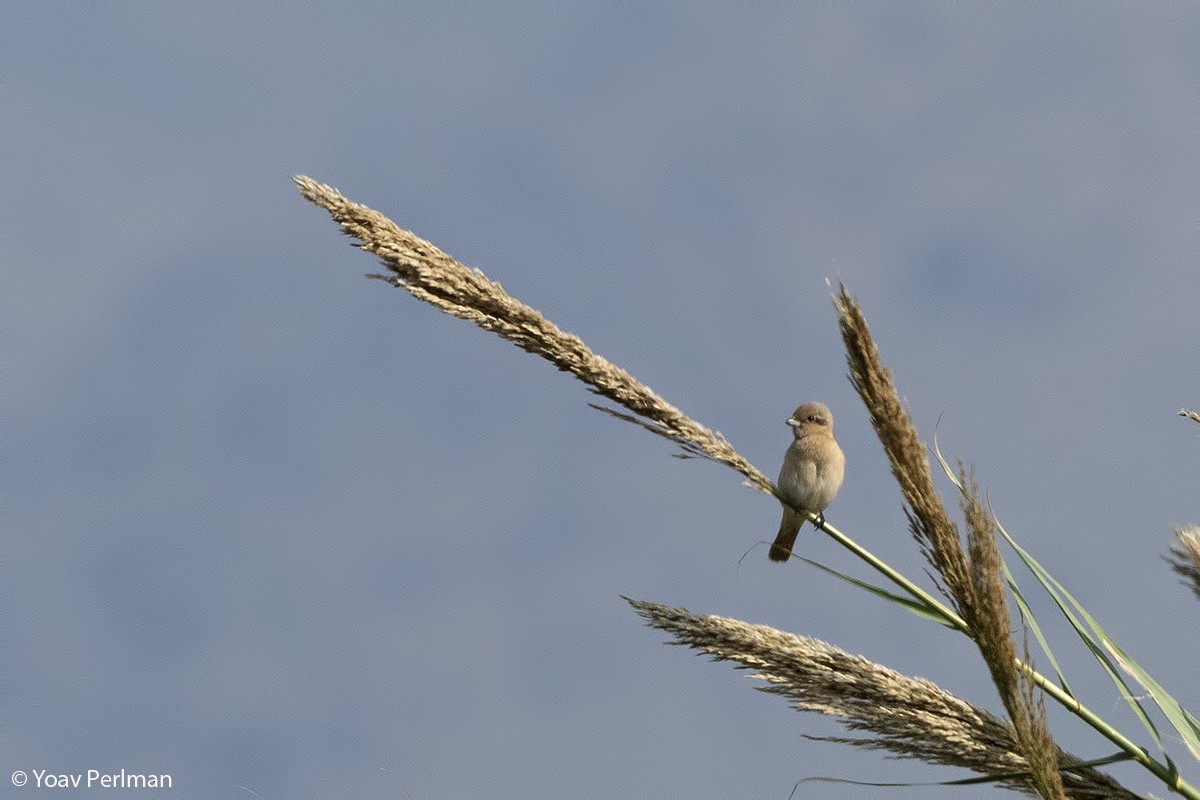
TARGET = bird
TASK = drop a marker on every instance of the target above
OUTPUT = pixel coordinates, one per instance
(812, 473)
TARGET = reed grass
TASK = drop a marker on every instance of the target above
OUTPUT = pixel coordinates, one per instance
(907, 716)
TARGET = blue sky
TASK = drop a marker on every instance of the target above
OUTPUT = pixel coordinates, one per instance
(284, 532)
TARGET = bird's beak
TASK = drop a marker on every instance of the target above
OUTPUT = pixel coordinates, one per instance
(795, 423)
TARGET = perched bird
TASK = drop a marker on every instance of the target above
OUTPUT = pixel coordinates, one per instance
(812, 472)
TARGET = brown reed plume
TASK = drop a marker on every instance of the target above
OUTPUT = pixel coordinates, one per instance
(1185, 557)
(431, 275)
(993, 635)
(910, 717)
(973, 578)
(931, 526)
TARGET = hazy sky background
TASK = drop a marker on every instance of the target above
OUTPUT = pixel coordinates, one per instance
(283, 532)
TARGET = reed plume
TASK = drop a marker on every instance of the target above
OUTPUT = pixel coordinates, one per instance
(972, 578)
(909, 717)
(429, 274)
(1185, 557)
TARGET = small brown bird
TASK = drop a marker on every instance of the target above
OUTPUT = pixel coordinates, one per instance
(812, 473)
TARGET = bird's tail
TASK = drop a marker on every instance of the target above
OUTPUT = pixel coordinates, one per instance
(789, 528)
